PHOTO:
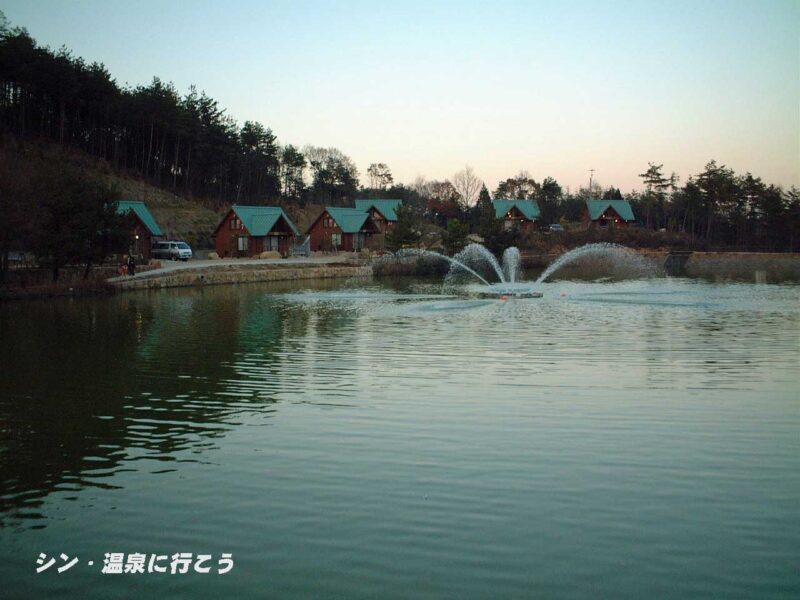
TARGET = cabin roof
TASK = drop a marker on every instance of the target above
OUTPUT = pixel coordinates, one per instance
(260, 220)
(350, 220)
(385, 206)
(597, 207)
(529, 208)
(140, 209)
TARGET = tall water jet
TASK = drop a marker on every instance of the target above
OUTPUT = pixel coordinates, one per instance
(511, 262)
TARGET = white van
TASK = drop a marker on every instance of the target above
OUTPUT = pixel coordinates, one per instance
(172, 250)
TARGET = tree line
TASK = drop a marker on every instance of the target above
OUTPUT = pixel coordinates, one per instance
(719, 207)
(182, 142)
(716, 208)
(188, 144)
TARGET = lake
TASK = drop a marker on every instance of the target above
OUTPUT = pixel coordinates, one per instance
(378, 439)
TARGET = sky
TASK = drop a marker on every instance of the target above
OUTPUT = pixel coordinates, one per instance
(553, 88)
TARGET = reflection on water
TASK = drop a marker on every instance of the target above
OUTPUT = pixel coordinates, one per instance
(610, 438)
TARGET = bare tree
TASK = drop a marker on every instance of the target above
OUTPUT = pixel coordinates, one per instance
(468, 185)
(380, 177)
(444, 191)
(421, 186)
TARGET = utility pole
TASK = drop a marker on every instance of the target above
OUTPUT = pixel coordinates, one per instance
(591, 175)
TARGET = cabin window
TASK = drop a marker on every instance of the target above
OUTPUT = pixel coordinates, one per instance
(242, 244)
(273, 242)
(336, 239)
(236, 224)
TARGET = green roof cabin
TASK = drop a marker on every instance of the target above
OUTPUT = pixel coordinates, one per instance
(608, 213)
(347, 229)
(517, 213)
(381, 210)
(144, 228)
(247, 231)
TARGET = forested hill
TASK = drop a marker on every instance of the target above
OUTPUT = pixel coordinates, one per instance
(186, 144)
(23, 164)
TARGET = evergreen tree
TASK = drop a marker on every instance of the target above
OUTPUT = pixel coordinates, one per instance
(654, 198)
(335, 175)
(406, 231)
(719, 191)
(293, 164)
(549, 199)
(76, 217)
(488, 225)
(455, 238)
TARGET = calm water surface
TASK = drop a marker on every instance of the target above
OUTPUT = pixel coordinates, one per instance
(634, 439)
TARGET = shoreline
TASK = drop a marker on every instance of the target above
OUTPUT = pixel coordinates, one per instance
(193, 274)
(764, 267)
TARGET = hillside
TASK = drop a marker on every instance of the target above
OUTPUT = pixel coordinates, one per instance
(179, 218)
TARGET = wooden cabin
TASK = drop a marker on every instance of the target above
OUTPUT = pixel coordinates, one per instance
(608, 213)
(346, 229)
(517, 213)
(248, 231)
(381, 210)
(144, 228)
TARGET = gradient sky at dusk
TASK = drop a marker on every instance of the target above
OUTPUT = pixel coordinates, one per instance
(553, 88)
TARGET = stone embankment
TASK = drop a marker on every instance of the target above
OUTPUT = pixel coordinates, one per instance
(246, 273)
(762, 267)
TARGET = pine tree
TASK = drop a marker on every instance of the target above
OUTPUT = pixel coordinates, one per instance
(406, 231)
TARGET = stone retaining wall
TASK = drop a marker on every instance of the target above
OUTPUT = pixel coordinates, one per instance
(745, 266)
(242, 274)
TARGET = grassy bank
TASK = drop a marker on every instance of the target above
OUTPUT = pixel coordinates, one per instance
(417, 266)
(55, 290)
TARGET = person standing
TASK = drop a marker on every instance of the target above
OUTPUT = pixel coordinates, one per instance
(131, 265)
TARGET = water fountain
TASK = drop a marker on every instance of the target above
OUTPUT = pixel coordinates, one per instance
(507, 272)
(472, 258)
(625, 261)
(475, 258)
